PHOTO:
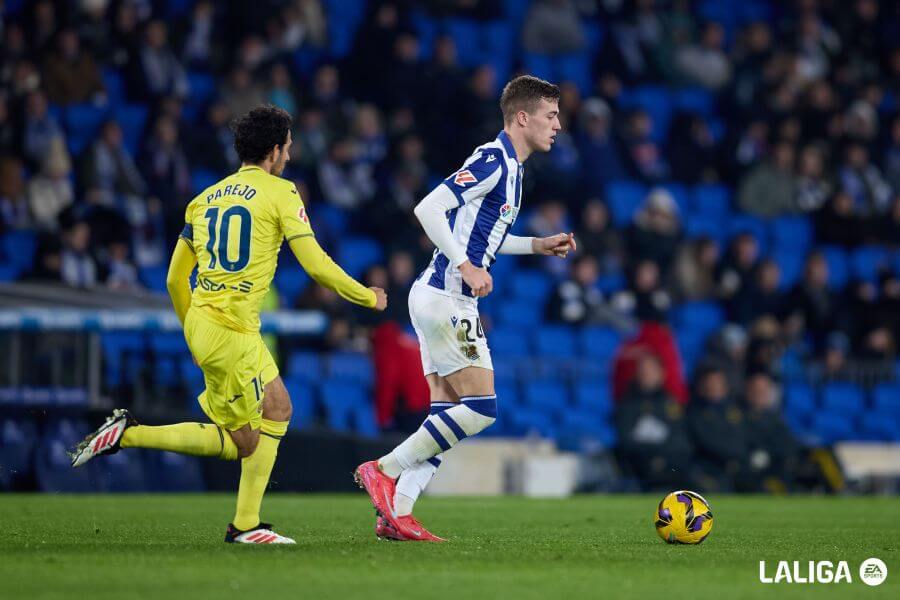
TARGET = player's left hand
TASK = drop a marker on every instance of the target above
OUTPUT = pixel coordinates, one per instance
(556, 245)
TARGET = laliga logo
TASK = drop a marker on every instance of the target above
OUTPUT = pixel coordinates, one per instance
(872, 572)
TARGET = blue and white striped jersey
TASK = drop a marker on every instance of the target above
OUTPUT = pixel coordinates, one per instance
(488, 188)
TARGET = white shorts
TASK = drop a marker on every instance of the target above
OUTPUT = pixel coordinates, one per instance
(449, 330)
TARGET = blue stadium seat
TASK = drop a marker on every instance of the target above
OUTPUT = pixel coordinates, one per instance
(202, 86)
(508, 342)
(844, 399)
(793, 234)
(551, 396)
(520, 313)
(18, 439)
(539, 65)
(696, 100)
(202, 179)
(169, 350)
(800, 404)
(171, 472)
(338, 399)
(290, 283)
(351, 366)
(556, 341)
(307, 367)
(532, 285)
(356, 254)
(466, 35)
(575, 68)
(705, 317)
(132, 118)
(599, 342)
(528, 421)
(886, 398)
(880, 426)
(594, 396)
(702, 225)
(115, 87)
(122, 472)
(838, 266)
(868, 261)
(581, 430)
(624, 199)
(711, 199)
(791, 264)
(53, 466)
(680, 196)
(18, 250)
(82, 123)
(123, 355)
(303, 400)
(154, 278)
(655, 101)
(193, 379)
(833, 428)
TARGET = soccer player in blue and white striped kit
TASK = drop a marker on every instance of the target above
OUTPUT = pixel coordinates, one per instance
(468, 218)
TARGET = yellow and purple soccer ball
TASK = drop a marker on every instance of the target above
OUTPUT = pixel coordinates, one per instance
(683, 517)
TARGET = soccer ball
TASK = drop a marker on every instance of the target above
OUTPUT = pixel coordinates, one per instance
(683, 517)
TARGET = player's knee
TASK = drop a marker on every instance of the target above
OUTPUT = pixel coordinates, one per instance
(247, 445)
(484, 411)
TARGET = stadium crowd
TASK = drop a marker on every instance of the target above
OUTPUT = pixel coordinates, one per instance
(743, 156)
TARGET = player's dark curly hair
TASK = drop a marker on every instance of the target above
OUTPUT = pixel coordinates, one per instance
(525, 93)
(258, 132)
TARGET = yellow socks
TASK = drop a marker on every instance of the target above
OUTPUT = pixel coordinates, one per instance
(196, 439)
(255, 471)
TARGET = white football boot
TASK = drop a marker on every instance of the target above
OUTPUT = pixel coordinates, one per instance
(105, 440)
(261, 534)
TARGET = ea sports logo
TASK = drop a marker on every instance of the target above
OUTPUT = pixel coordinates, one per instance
(873, 571)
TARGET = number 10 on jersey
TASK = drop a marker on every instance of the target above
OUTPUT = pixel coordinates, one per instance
(218, 231)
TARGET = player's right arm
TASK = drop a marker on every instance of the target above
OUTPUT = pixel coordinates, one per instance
(315, 261)
(477, 177)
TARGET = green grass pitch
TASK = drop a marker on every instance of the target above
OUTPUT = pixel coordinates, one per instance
(170, 546)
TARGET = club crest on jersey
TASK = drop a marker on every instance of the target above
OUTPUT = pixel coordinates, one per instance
(464, 178)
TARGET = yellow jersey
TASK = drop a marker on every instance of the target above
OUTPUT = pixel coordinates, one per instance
(236, 228)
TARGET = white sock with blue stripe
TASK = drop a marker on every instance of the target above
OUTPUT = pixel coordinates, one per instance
(440, 432)
(413, 481)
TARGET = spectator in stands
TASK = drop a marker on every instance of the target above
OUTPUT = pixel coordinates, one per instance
(692, 150)
(77, 267)
(14, 212)
(281, 89)
(891, 159)
(577, 301)
(716, 427)
(813, 187)
(645, 154)
(887, 229)
(705, 63)
(863, 181)
(121, 274)
(95, 30)
(653, 437)
(445, 80)
(770, 189)
(50, 192)
(373, 42)
(761, 297)
(480, 118)
(838, 223)
(656, 231)
(773, 451)
(645, 299)
(727, 350)
(550, 215)
(694, 273)
(168, 173)
(812, 306)
(345, 181)
(736, 270)
(311, 138)
(198, 47)
(601, 160)
(126, 37)
(109, 167)
(70, 74)
(370, 136)
(596, 237)
(657, 338)
(553, 27)
(7, 129)
(40, 129)
(158, 71)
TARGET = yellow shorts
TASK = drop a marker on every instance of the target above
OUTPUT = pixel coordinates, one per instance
(236, 367)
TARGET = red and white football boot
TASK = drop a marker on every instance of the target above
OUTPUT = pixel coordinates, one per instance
(413, 531)
(105, 440)
(380, 488)
(385, 531)
(261, 534)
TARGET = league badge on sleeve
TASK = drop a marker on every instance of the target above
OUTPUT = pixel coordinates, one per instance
(301, 214)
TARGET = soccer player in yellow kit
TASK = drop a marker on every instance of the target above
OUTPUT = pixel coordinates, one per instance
(233, 232)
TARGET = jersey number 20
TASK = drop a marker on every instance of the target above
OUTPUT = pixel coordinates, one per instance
(219, 230)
